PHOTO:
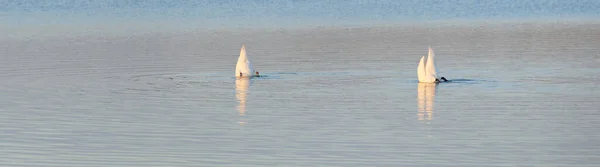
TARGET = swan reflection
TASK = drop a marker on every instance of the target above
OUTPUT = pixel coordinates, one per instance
(241, 92)
(425, 96)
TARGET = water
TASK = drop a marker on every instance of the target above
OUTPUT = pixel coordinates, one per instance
(523, 94)
(141, 83)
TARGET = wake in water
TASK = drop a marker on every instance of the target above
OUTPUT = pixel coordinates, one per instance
(461, 80)
(464, 80)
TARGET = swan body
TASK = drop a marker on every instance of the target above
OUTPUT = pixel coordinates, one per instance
(244, 66)
(426, 71)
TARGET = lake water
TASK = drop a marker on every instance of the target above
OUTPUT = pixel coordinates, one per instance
(522, 94)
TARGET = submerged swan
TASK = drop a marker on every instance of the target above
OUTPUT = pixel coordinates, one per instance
(244, 68)
(427, 72)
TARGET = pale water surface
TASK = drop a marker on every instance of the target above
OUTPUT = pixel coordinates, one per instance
(523, 94)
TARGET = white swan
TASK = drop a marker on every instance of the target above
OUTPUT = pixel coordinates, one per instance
(426, 71)
(243, 68)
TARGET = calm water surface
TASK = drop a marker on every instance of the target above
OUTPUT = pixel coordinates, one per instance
(522, 95)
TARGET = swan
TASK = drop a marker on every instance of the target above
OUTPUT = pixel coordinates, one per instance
(426, 71)
(244, 68)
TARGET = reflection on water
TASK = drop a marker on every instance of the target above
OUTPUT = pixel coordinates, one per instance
(426, 95)
(241, 92)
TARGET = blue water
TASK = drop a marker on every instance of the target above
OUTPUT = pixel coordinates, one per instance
(47, 16)
(413, 9)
